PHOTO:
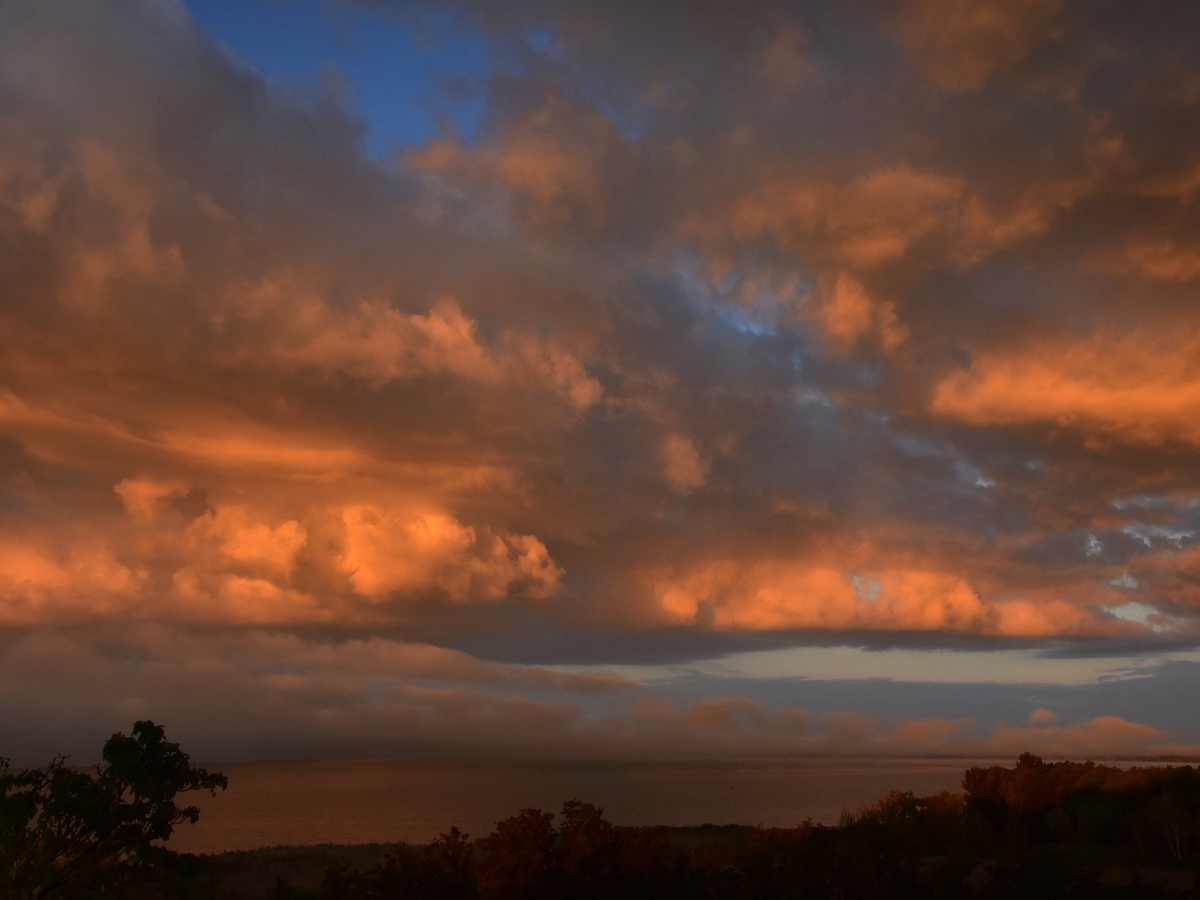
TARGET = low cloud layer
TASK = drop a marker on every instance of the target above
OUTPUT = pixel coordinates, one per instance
(298, 697)
(866, 323)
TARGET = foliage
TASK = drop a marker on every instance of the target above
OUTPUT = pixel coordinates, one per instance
(441, 870)
(517, 857)
(1151, 810)
(65, 832)
(1037, 829)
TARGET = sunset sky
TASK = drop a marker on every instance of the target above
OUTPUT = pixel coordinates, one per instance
(557, 378)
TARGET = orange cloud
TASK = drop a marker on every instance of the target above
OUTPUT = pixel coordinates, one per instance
(1139, 389)
(207, 595)
(251, 546)
(685, 469)
(1163, 260)
(236, 563)
(872, 219)
(144, 498)
(40, 582)
(392, 552)
(552, 162)
(379, 343)
(784, 594)
(962, 44)
(1106, 735)
(848, 314)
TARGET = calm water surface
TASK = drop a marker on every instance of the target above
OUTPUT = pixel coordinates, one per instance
(270, 804)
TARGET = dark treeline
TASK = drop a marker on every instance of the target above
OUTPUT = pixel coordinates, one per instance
(1034, 830)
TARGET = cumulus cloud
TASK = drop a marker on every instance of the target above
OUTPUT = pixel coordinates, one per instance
(386, 553)
(40, 583)
(850, 587)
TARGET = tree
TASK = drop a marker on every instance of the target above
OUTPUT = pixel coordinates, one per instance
(64, 830)
(517, 859)
(588, 853)
(441, 870)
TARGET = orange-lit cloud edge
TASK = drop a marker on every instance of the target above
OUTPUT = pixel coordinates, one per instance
(305, 423)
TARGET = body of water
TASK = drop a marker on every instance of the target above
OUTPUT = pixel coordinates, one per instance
(355, 802)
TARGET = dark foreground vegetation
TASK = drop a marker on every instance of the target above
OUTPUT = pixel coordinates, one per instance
(1035, 830)
(66, 833)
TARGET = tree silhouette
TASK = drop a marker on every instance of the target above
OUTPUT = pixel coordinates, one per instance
(441, 870)
(589, 848)
(517, 857)
(64, 830)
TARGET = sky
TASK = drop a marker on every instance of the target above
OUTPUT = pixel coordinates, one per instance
(600, 380)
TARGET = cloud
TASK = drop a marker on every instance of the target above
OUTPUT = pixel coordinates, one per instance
(831, 593)
(1139, 389)
(962, 44)
(253, 546)
(145, 498)
(683, 465)
(319, 697)
(721, 325)
(236, 563)
(379, 344)
(42, 583)
(387, 553)
(1163, 260)
(848, 314)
